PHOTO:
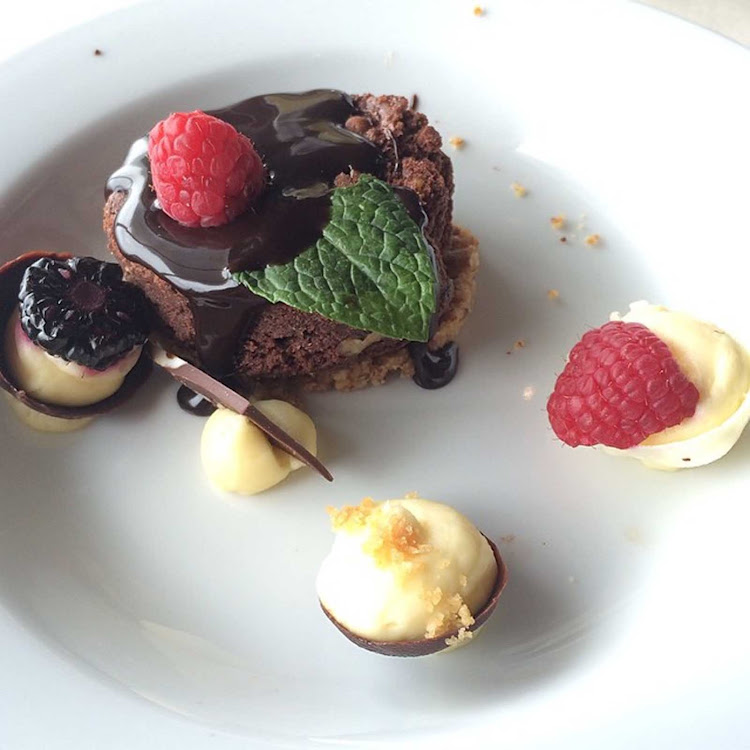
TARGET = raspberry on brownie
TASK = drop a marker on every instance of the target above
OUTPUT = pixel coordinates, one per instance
(204, 172)
(310, 144)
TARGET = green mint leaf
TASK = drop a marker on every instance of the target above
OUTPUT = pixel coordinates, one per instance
(371, 269)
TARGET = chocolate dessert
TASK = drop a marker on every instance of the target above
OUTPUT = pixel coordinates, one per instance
(311, 145)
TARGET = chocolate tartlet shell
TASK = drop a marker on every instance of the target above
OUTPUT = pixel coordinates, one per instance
(427, 646)
(10, 280)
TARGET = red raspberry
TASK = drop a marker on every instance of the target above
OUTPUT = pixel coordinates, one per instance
(620, 385)
(204, 172)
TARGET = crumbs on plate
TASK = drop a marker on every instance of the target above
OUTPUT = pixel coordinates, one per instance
(558, 222)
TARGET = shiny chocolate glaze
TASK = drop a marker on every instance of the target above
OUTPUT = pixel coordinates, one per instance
(304, 146)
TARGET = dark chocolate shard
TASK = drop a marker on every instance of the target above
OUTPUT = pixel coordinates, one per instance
(222, 395)
(426, 646)
(10, 280)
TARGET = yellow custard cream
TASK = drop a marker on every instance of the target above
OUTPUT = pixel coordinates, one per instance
(719, 367)
(238, 457)
(405, 569)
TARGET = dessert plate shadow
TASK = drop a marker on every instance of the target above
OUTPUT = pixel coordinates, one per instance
(139, 607)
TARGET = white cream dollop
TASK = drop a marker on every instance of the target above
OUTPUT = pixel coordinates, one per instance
(238, 457)
(53, 380)
(719, 367)
(406, 569)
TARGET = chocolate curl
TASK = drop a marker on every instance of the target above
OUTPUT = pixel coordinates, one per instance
(221, 395)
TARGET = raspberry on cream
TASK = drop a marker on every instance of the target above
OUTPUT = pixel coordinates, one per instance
(406, 570)
(238, 457)
(719, 367)
(620, 385)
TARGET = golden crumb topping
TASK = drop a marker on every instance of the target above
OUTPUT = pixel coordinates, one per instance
(553, 294)
(518, 190)
(457, 142)
(351, 518)
(449, 613)
(478, 10)
(432, 598)
(436, 625)
(393, 537)
(462, 635)
(592, 239)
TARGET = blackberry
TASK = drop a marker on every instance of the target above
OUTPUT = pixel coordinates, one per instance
(80, 309)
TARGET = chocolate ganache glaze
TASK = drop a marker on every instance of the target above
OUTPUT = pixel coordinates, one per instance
(304, 145)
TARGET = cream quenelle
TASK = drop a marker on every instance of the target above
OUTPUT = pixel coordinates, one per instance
(719, 367)
(238, 457)
(406, 569)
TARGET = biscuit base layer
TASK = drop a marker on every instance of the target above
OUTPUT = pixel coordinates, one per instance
(461, 264)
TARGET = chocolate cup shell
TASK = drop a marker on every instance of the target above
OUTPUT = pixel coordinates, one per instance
(10, 281)
(426, 646)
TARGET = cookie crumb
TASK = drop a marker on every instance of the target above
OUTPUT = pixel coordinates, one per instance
(462, 635)
(592, 239)
(457, 142)
(519, 344)
(557, 222)
(98, 53)
(563, 239)
(553, 294)
(528, 392)
(414, 101)
(479, 10)
(518, 190)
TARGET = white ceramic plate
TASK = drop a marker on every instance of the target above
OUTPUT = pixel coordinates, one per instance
(139, 608)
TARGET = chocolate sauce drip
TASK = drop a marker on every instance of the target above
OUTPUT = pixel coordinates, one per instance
(194, 403)
(304, 146)
(434, 369)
